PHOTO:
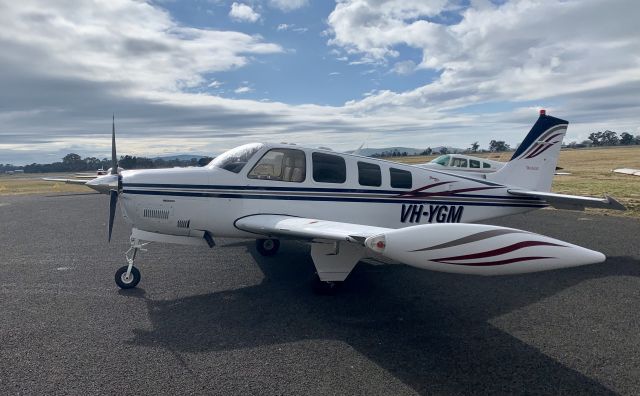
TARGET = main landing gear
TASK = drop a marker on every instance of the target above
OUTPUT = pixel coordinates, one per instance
(267, 247)
(128, 276)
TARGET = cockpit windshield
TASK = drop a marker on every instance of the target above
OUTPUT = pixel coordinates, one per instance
(441, 160)
(236, 158)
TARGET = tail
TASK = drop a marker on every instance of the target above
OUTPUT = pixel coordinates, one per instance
(534, 163)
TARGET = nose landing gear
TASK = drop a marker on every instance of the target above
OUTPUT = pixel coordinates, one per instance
(128, 276)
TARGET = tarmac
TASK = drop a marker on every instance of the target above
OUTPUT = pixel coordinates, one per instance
(229, 321)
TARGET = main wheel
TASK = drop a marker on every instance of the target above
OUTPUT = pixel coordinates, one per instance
(324, 288)
(127, 282)
(267, 247)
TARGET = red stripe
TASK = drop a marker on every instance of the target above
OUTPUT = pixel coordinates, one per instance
(557, 134)
(423, 188)
(543, 150)
(500, 262)
(452, 192)
(497, 252)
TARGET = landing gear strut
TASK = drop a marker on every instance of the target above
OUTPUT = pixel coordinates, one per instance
(128, 276)
(267, 247)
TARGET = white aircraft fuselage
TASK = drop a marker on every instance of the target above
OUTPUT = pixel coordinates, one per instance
(187, 201)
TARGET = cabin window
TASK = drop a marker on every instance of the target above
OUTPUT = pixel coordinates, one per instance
(369, 174)
(459, 162)
(328, 168)
(474, 164)
(286, 165)
(235, 159)
(400, 178)
(442, 160)
(486, 165)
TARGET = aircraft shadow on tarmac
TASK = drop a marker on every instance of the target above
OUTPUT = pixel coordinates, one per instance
(430, 330)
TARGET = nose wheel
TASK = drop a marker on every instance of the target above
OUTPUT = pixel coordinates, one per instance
(127, 281)
(267, 247)
(128, 276)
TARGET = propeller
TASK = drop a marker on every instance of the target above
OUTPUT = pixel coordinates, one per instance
(113, 193)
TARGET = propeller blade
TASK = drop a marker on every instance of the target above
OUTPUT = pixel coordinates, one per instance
(113, 201)
(114, 158)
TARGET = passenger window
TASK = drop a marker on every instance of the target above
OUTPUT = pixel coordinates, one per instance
(369, 174)
(328, 168)
(474, 164)
(459, 162)
(286, 165)
(400, 178)
(486, 165)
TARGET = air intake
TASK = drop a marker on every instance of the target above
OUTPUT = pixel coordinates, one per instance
(183, 223)
(156, 213)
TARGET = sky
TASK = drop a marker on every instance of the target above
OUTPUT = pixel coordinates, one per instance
(203, 76)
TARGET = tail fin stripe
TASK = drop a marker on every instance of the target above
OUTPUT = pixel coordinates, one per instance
(533, 155)
(542, 136)
(557, 134)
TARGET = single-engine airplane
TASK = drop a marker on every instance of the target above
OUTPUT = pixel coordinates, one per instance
(349, 207)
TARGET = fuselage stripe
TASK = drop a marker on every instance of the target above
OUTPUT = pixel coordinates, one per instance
(329, 198)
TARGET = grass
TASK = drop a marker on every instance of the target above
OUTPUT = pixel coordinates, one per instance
(590, 174)
(33, 184)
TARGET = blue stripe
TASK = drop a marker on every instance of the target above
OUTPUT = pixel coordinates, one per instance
(311, 189)
(330, 199)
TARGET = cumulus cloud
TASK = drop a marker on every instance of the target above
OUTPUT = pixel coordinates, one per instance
(241, 90)
(243, 13)
(288, 5)
(67, 67)
(545, 51)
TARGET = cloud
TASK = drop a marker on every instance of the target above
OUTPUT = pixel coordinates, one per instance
(288, 5)
(292, 27)
(555, 52)
(243, 13)
(215, 84)
(66, 68)
(241, 90)
(404, 67)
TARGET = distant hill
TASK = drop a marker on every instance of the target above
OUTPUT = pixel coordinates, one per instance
(180, 157)
(410, 151)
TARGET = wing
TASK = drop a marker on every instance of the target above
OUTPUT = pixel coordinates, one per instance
(303, 228)
(575, 202)
(628, 171)
(477, 249)
(68, 181)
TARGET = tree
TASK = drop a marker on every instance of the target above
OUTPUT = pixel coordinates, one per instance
(444, 151)
(626, 139)
(474, 147)
(606, 138)
(610, 138)
(73, 162)
(204, 161)
(426, 151)
(595, 138)
(498, 146)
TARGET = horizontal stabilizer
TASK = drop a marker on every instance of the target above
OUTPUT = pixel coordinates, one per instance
(573, 202)
(478, 249)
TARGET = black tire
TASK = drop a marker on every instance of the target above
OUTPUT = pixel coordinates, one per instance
(127, 283)
(324, 288)
(267, 247)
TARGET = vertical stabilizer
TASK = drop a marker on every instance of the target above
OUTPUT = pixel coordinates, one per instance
(534, 163)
